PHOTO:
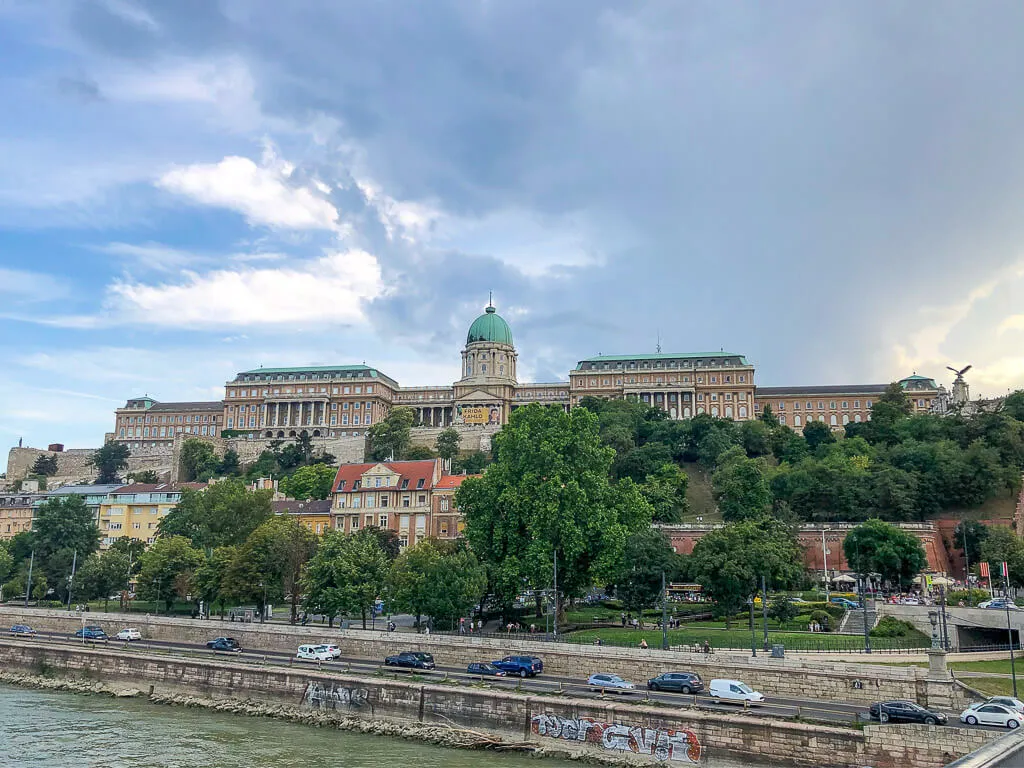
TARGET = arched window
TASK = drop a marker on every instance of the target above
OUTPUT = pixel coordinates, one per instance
(728, 411)
(796, 420)
(846, 419)
(743, 411)
(686, 412)
(700, 409)
(857, 418)
(832, 420)
(714, 410)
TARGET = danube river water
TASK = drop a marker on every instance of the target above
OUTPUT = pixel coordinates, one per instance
(45, 728)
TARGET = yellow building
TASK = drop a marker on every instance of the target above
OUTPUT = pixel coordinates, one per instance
(315, 514)
(134, 511)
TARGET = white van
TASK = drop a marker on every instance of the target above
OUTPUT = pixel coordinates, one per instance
(734, 690)
(314, 652)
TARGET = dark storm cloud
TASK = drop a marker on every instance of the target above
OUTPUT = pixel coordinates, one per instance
(790, 181)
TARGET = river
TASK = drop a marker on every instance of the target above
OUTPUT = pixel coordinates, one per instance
(57, 729)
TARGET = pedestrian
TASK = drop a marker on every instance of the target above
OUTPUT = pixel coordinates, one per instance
(462, 626)
(426, 630)
(623, 618)
(643, 643)
(707, 647)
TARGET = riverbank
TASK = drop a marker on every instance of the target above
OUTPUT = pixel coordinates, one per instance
(597, 730)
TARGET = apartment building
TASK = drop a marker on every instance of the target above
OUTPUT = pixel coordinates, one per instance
(135, 511)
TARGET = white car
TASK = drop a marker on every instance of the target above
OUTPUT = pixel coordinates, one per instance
(601, 680)
(1005, 701)
(314, 653)
(991, 714)
(334, 650)
(734, 690)
(129, 634)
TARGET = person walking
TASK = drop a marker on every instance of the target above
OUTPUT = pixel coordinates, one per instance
(707, 647)
(643, 643)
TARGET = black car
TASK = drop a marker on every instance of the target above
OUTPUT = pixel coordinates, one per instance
(225, 644)
(905, 712)
(484, 670)
(683, 682)
(410, 659)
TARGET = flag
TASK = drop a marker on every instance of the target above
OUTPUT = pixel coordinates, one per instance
(1005, 570)
(983, 569)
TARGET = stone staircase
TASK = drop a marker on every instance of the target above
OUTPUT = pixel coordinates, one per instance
(852, 622)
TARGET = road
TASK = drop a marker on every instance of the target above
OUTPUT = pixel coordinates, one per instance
(806, 709)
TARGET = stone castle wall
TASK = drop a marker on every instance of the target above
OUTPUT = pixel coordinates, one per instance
(73, 464)
(474, 438)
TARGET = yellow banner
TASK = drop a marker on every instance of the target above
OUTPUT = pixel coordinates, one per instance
(474, 415)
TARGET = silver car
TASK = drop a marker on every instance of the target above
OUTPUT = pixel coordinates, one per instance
(602, 681)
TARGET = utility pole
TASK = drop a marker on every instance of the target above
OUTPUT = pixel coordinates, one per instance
(764, 612)
(28, 588)
(71, 579)
(753, 641)
(664, 613)
(554, 620)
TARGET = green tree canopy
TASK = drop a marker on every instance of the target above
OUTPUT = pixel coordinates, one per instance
(210, 578)
(818, 433)
(740, 486)
(103, 575)
(436, 579)
(45, 465)
(665, 491)
(647, 556)
(144, 476)
(472, 463)
(223, 514)
(1003, 545)
(390, 438)
(109, 461)
(166, 567)
(312, 482)
(418, 453)
(346, 575)
(969, 537)
(448, 443)
(548, 492)
(876, 546)
(198, 460)
(63, 526)
(729, 562)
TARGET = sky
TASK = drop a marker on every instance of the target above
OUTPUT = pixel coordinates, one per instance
(190, 189)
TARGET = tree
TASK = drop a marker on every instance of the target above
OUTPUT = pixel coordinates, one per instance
(782, 609)
(647, 557)
(109, 461)
(210, 577)
(1003, 545)
(740, 486)
(418, 453)
(144, 476)
(1013, 405)
(818, 433)
(411, 579)
(756, 437)
(876, 546)
(132, 548)
(665, 491)
(222, 514)
(447, 445)
(768, 416)
(312, 482)
(729, 562)
(229, 465)
(387, 539)
(63, 526)
(45, 465)
(548, 495)
(102, 574)
(6, 564)
(473, 462)
(346, 574)
(390, 438)
(164, 566)
(969, 537)
(268, 566)
(197, 460)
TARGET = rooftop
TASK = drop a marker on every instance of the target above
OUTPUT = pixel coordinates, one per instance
(296, 507)
(448, 482)
(85, 490)
(157, 488)
(410, 472)
(662, 356)
(828, 389)
(323, 371)
(209, 405)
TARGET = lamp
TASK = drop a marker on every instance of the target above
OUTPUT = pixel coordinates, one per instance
(933, 618)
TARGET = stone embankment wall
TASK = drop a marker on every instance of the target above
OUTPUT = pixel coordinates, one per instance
(634, 733)
(73, 464)
(774, 677)
(473, 438)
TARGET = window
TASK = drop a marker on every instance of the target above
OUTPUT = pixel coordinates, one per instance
(419, 483)
(782, 419)
(867, 404)
(406, 501)
(369, 389)
(821, 405)
(444, 503)
(809, 405)
(782, 406)
(369, 500)
(421, 500)
(383, 499)
(383, 520)
(846, 404)
(355, 523)
(355, 420)
(405, 483)
(832, 420)
(796, 420)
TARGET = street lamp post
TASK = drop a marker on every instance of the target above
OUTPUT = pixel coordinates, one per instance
(753, 638)
(933, 618)
(864, 606)
(1009, 631)
(664, 614)
(764, 612)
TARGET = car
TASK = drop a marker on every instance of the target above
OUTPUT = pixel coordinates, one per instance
(523, 666)
(91, 632)
(1004, 701)
(798, 601)
(991, 714)
(845, 603)
(225, 644)
(734, 690)
(484, 670)
(904, 712)
(601, 681)
(129, 634)
(683, 682)
(22, 630)
(334, 650)
(411, 660)
(314, 653)
(1000, 604)
(910, 601)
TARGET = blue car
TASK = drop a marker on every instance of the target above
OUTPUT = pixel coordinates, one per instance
(844, 602)
(484, 670)
(225, 644)
(22, 629)
(91, 633)
(521, 666)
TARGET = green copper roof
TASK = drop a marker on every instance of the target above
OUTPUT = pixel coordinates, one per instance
(312, 369)
(490, 326)
(661, 356)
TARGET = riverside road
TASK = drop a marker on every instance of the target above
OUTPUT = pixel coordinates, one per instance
(806, 709)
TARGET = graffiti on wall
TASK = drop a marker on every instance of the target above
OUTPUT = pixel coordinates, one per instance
(330, 697)
(662, 744)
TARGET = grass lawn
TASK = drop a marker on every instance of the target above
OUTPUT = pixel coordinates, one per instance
(737, 638)
(698, 496)
(992, 686)
(998, 667)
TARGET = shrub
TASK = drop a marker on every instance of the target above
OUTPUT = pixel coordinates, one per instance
(824, 620)
(970, 597)
(890, 626)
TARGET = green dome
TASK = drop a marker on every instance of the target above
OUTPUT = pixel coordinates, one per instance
(490, 326)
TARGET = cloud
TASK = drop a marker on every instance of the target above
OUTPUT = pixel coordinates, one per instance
(332, 290)
(19, 286)
(153, 256)
(260, 194)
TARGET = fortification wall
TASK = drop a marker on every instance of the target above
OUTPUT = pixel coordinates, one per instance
(73, 464)
(474, 438)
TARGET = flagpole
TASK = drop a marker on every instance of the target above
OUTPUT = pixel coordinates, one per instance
(1009, 631)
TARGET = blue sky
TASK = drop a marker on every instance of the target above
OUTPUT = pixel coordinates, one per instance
(194, 188)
